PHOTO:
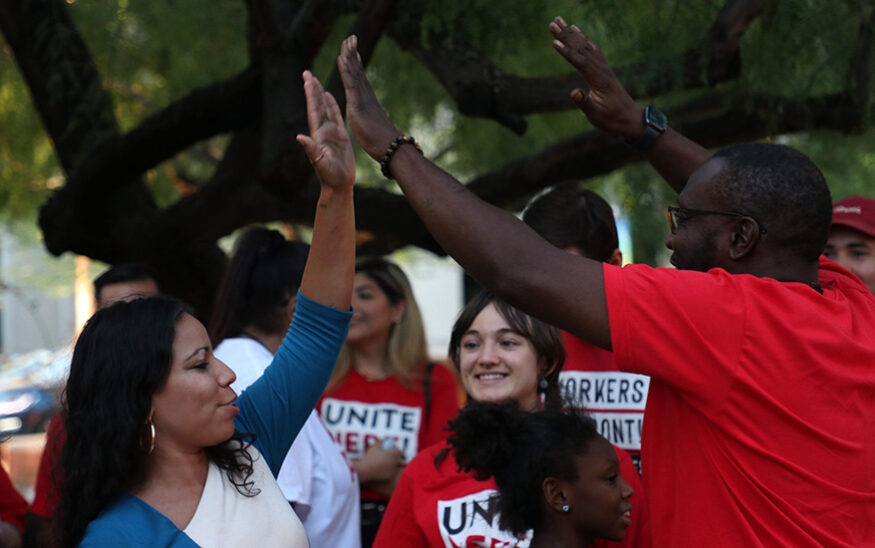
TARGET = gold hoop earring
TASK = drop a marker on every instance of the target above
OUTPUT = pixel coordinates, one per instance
(150, 446)
(151, 436)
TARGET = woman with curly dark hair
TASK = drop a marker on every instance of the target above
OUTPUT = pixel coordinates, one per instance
(558, 479)
(503, 355)
(157, 450)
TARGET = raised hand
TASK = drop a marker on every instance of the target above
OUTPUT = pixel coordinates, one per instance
(328, 145)
(607, 105)
(368, 121)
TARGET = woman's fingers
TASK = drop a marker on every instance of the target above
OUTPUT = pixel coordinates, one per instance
(310, 148)
(333, 110)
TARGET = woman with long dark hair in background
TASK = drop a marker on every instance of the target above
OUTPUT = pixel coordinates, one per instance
(254, 306)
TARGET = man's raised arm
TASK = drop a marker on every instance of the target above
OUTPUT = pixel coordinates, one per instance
(492, 245)
(609, 107)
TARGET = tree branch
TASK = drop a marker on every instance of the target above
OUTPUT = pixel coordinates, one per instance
(218, 108)
(594, 153)
(861, 62)
(284, 107)
(67, 91)
(373, 18)
(483, 90)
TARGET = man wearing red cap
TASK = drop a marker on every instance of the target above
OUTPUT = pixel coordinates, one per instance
(852, 238)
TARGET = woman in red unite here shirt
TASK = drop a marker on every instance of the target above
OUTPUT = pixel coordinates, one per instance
(385, 402)
(502, 354)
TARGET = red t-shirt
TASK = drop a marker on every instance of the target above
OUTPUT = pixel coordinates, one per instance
(614, 398)
(761, 404)
(359, 413)
(440, 506)
(13, 507)
(46, 490)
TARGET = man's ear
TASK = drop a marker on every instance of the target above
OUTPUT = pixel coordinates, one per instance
(556, 494)
(616, 258)
(744, 238)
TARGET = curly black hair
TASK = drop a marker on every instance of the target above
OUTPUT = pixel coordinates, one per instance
(121, 359)
(519, 449)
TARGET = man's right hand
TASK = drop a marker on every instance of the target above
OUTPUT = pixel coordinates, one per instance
(368, 121)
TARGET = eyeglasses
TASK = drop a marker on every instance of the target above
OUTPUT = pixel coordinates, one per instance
(678, 214)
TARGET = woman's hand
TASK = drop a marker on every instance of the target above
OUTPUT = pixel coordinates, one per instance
(368, 121)
(328, 145)
(385, 487)
(607, 104)
(378, 464)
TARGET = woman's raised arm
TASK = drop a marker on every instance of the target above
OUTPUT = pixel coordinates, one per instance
(331, 263)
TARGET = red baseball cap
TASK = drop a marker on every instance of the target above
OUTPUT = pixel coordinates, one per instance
(855, 212)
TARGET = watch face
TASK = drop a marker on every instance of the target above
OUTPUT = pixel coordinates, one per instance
(655, 118)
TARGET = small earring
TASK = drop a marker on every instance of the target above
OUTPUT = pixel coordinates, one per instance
(565, 508)
(543, 384)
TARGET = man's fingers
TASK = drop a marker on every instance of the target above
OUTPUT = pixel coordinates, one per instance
(571, 55)
(347, 68)
(581, 99)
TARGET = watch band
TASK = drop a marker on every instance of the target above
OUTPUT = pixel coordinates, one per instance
(655, 123)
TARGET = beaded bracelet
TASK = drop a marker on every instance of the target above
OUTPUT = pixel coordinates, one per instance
(400, 140)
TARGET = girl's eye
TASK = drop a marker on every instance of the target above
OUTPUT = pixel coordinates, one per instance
(202, 365)
(469, 345)
(508, 343)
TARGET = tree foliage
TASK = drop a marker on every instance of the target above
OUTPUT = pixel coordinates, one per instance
(148, 130)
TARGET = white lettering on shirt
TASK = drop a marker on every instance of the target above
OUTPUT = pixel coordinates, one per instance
(616, 400)
(357, 425)
(472, 521)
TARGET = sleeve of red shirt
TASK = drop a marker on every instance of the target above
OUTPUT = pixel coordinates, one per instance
(679, 327)
(444, 406)
(45, 491)
(13, 507)
(399, 528)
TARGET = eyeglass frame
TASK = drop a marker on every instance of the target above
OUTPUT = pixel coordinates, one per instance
(672, 210)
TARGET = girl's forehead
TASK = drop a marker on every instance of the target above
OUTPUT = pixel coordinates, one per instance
(490, 320)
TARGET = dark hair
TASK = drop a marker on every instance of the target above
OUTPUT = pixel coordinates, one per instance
(546, 339)
(123, 273)
(781, 188)
(121, 359)
(567, 216)
(519, 449)
(264, 273)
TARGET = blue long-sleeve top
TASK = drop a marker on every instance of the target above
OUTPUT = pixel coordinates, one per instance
(274, 408)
